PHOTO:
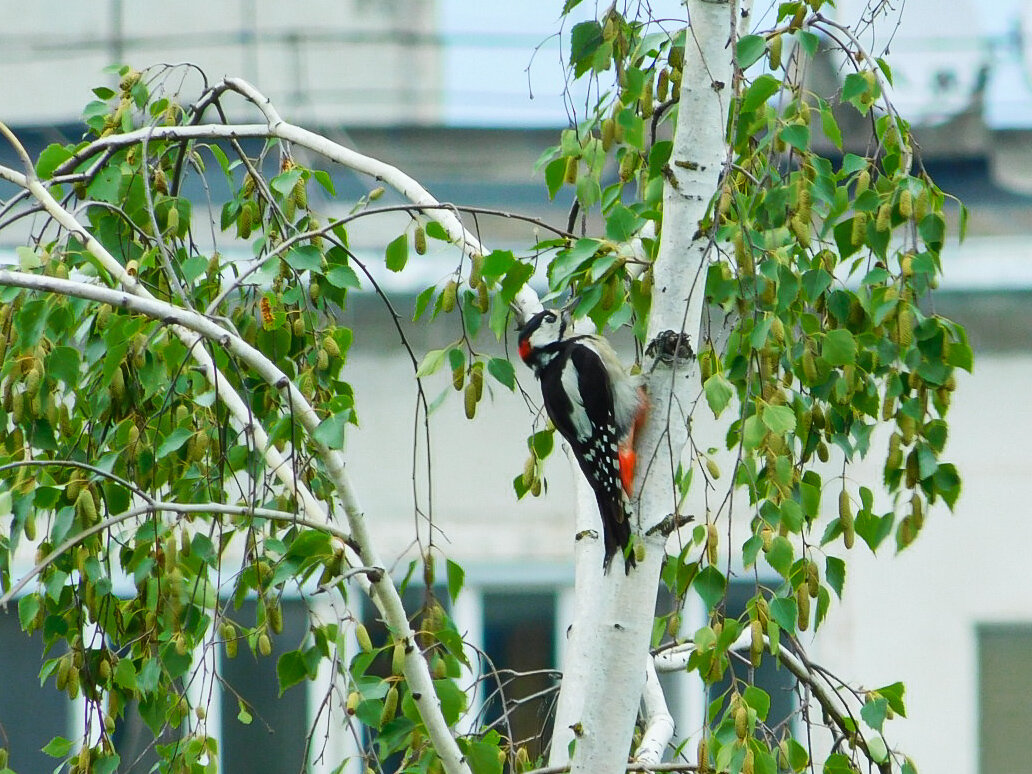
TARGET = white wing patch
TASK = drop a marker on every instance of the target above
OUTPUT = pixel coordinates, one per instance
(600, 443)
(578, 415)
(626, 395)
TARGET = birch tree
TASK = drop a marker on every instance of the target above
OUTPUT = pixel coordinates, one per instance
(170, 410)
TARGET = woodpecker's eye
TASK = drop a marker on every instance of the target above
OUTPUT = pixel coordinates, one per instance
(550, 317)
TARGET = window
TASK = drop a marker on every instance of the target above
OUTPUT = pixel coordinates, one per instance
(30, 714)
(1004, 697)
(519, 630)
(775, 680)
(275, 738)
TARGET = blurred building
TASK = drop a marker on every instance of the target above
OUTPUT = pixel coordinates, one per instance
(438, 90)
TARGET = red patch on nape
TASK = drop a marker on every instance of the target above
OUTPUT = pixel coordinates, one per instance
(524, 350)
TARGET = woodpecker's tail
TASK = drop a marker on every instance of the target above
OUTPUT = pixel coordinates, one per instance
(616, 531)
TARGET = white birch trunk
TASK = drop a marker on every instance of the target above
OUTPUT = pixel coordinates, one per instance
(601, 694)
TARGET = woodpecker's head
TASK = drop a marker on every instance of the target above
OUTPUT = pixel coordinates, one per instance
(544, 329)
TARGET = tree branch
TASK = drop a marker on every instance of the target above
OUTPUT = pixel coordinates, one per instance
(676, 659)
(157, 506)
(526, 299)
(659, 725)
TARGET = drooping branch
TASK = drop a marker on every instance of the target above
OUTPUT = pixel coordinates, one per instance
(191, 327)
(675, 659)
(161, 506)
(382, 589)
(237, 408)
(526, 299)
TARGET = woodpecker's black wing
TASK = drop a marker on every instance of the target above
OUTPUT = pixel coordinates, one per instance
(578, 399)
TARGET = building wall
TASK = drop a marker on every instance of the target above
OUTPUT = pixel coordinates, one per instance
(912, 617)
(351, 62)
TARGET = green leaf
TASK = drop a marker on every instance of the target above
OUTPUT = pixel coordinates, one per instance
(343, 277)
(622, 224)
(502, 370)
(780, 555)
(588, 191)
(175, 663)
(879, 752)
(798, 757)
(32, 320)
(796, 135)
(106, 764)
(808, 41)
(873, 713)
(497, 263)
(753, 432)
(762, 89)
(555, 173)
(542, 443)
(431, 362)
(853, 87)
(483, 757)
(567, 262)
(779, 419)
(585, 38)
(837, 763)
(125, 674)
(422, 301)
(874, 529)
(749, 49)
(894, 695)
(456, 358)
(839, 347)
(435, 230)
(323, 178)
(50, 159)
(835, 573)
(291, 669)
(397, 253)
(453, 700)
(28, 606)
(830, 126)
(784, 611)
(710, 584)
(284, 182)
(331, 432)
(758, 700)
(59, 747)
(172, 442)
(456, 578)
(932, 229)
(633, 127)
(244, 716)
(718, 393)
(304, 258)
(147, 679)
(884, 67)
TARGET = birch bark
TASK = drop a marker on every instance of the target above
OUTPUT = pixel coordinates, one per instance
(598, 705)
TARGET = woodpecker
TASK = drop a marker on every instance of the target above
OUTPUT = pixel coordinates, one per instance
(597, 407)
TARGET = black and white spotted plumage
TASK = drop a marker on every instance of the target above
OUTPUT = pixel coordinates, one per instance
(592, 402)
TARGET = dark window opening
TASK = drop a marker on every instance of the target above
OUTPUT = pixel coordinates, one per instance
(519, 640)
(275, 738)
(769, 676)
(1004, 697)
